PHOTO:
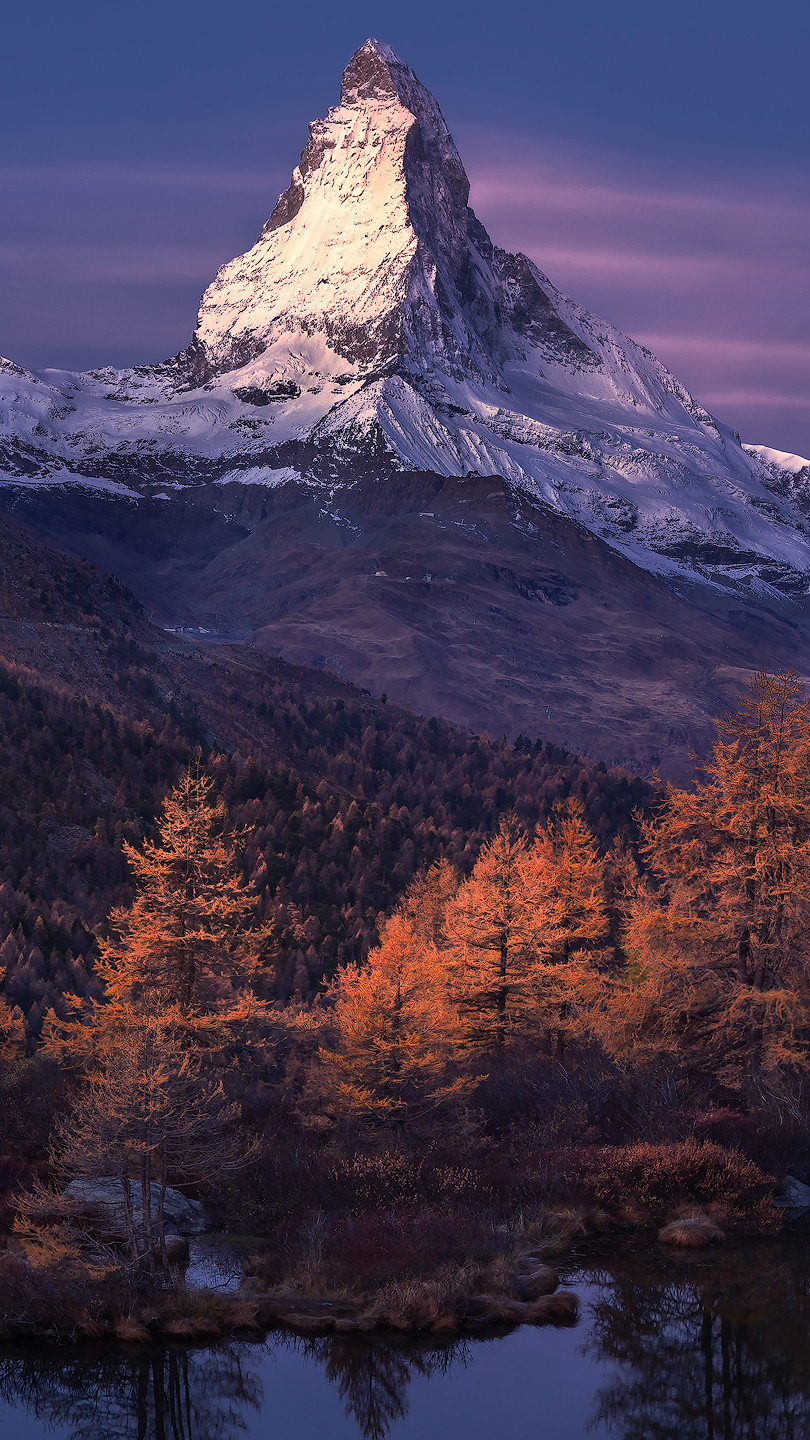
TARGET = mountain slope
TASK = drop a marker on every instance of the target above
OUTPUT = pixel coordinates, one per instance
(458, 596)
(342, 797)
(375, 334)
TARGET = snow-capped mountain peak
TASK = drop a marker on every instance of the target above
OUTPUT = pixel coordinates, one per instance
(374, 326)
(368, 246)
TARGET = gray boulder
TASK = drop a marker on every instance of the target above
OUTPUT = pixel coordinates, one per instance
(794, 1194)
(181, 1215)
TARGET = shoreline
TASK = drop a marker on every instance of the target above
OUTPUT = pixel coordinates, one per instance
(447, 1302)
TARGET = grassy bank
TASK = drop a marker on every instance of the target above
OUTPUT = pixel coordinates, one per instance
(393, 1259)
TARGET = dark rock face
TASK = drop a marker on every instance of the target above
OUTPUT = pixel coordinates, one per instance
(286, 207)
(255, 395)
(366, 77)
(532, 314)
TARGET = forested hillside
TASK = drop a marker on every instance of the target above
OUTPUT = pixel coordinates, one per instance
(339, 798)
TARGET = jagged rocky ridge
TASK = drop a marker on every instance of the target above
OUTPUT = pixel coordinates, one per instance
(374, 328)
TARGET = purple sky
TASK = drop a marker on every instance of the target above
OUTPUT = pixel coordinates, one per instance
(652, 160)
(711, 272)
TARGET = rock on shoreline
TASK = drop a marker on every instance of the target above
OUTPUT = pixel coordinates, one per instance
(181, 1215)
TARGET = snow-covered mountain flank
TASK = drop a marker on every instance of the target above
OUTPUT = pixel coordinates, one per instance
(374, 327)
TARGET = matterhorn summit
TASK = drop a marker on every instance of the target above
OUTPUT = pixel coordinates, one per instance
(367, 248)
(375, 328)
(374, 250)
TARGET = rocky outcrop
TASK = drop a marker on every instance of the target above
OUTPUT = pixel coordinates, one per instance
(182, 1216)
(793, 1196)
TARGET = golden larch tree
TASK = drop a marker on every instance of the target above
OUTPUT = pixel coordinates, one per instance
(192, 935)
(568, 884)
(12, 1035)
(493, 926)
(392, 1060)
(720, 941)
(426, 902)
(186, 952)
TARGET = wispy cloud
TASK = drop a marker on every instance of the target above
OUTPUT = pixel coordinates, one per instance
(76, 262)
(710, 271)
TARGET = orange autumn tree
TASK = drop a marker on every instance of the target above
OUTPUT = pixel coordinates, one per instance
(177, 968)
(191, 936)
(571, 877)
(720, 942)
(392, 1061)
(188, 948)
(493, 926)
(426, 901)
(524, 933)
(568, 885)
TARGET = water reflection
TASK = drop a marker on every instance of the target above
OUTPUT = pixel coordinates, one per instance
(694, 1349)
(720, 1351)
(159, 1394)
(96, 1393)
(373, 1375)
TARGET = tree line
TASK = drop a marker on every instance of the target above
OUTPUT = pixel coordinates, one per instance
(688, 953)
(360, 797)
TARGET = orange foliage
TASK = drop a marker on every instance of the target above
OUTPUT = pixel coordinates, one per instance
(394, 1055)
(12, 1035)
(494, 926)
(191, 935)
(184, 953)
(719, 942)
(524, 931)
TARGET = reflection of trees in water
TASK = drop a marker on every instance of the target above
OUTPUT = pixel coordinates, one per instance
(373, 1375)
(159, 1393)
(154, 1394)
(716, 1350)
(720, 1353)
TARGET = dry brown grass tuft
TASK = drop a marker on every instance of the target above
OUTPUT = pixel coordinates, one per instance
(500, 1310)
(92, 1329)
(536, 1281)
(558, 1308)
(600, 1221)
(493, 1310)
(126, 1327)
(413, 1304)
(691, 1232)
(185, 1327)
(560, 1228)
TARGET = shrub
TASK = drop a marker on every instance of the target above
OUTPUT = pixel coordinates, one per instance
(658, 1177)
(357, 1254)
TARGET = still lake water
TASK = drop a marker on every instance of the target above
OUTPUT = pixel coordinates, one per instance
(699, 1348)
